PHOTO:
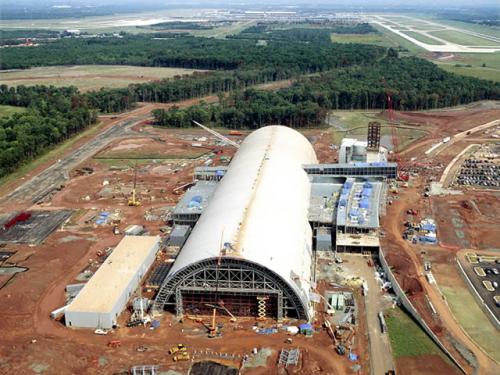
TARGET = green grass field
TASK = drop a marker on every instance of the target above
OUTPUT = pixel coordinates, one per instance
(423, 38)
(223, 31)
(354, 124)
(472, 319)
(88, 77)
(477, 72)
(398, 41)
(490, 71)
(463, 39)
(406, 336)
(483, 29)
(7, 110)
(373, 38)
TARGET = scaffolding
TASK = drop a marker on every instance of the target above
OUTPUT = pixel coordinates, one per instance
(240, 285)
(144, 370)
(373, 138)
(289, 357)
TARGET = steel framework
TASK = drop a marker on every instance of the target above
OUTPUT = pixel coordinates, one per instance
(233, 276)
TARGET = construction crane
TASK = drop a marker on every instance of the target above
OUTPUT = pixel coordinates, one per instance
(218, 135)
(213, 332)
(133, 201)
(222, 307)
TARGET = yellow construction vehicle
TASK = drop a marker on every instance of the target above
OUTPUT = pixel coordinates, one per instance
(182, 356)
(178, 348)
(133, 201)
(222, 307)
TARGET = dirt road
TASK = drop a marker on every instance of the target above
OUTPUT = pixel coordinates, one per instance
(460, 136)
(52, 177)
(380, 347)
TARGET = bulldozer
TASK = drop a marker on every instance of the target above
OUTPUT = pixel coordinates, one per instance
(179, 348)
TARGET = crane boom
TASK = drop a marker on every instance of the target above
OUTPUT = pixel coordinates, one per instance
(218, 135)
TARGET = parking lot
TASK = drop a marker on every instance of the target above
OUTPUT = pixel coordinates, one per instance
(484, 273)
(482, 169)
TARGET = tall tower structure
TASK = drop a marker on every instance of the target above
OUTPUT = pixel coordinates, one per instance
(373, 138)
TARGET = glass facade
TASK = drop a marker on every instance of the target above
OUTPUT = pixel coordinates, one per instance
(388, 170)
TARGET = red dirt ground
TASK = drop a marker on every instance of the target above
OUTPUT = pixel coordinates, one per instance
(428, 364)
(25, 302)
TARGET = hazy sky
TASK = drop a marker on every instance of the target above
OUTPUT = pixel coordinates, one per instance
(339, 3)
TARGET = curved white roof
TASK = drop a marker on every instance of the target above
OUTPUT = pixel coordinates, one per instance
(260, 207)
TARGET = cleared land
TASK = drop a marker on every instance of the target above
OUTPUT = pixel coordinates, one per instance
(146, 148)
(7, 110)
(88, 77)
(463, 39)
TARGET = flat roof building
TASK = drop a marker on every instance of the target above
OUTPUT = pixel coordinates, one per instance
(105, 295)
(192, 204)
(352, 151)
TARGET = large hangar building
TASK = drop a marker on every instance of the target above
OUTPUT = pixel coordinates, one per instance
(252, 246)
(252, 242)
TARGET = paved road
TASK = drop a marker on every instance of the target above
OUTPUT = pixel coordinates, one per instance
(57, 174)
(380, 348)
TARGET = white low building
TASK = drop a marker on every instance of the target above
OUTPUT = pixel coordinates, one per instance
(355, 151)
(106, 294)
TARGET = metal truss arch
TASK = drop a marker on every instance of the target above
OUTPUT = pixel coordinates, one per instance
(232, 275)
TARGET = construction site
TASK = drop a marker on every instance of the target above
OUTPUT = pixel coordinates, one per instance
(175, 251)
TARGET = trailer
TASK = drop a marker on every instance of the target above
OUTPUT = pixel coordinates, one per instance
(383, 325)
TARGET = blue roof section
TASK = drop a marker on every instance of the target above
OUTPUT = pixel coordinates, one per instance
(361, 204)
(428, 227)
(196, 198)
(364, 203)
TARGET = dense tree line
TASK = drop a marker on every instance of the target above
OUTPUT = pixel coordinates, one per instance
(53, 115)
(249, 109)
(347, 76)
(191, 52)
(414, 84)
(28, 33)
(301, 34)
(172, 25)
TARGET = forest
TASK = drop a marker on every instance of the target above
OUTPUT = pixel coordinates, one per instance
(327, 76)
(415, 84)
(53, 115)
(303, 34)
(191, 52)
